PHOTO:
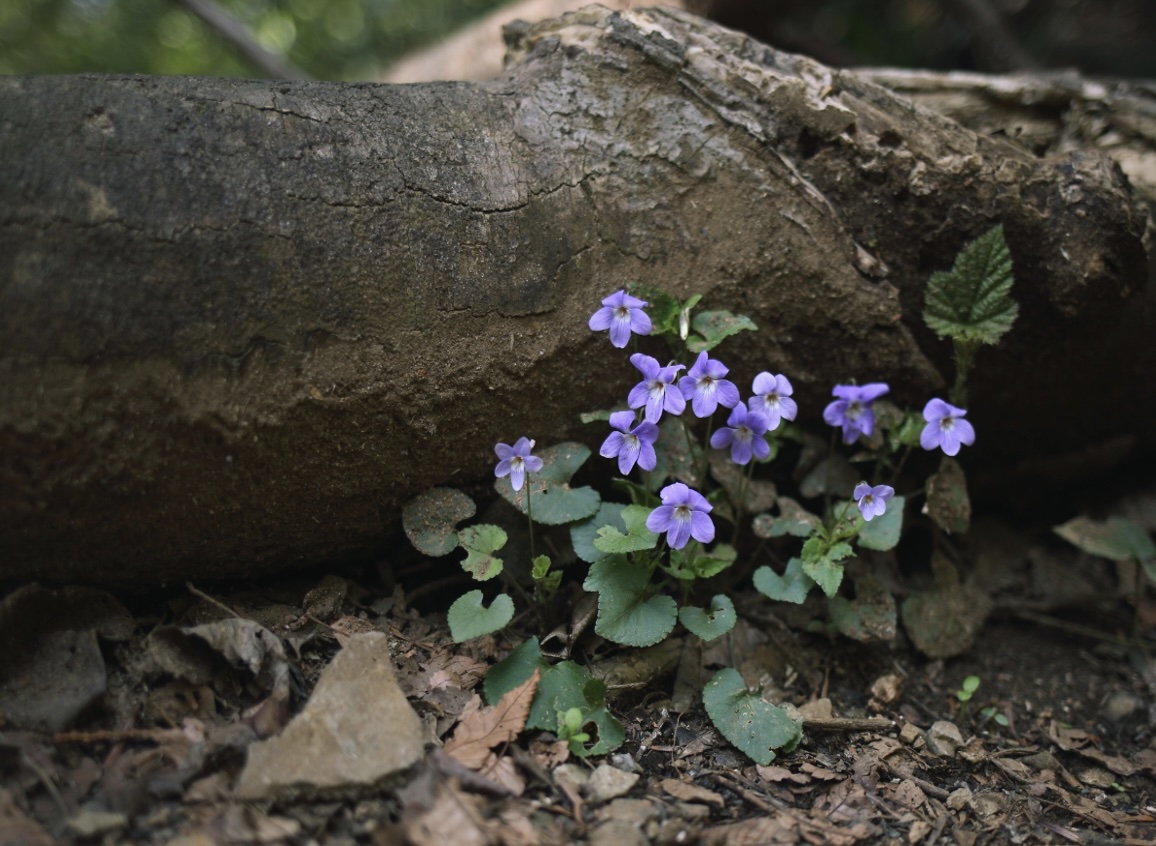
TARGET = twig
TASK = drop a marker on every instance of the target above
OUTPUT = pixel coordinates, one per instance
(200, 594)
(849, 724)
(242, 38)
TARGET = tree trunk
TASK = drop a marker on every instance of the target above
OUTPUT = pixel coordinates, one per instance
(242, 322)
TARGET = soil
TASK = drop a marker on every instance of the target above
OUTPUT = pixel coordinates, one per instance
(889, 753)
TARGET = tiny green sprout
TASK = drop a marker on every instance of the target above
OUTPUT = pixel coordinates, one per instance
(570, 726)
(991, 713)
(966, 690)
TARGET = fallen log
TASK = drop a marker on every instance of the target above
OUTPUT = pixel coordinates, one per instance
(242, 322)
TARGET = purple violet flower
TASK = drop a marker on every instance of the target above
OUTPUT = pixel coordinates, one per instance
(631, 445)
(705, 387)
(682, 515)
(621, 314)
(516, 461)
(773, 398)
(945, 427)
(654, 391)
(852, 410)
(744, 433)
(872, 500)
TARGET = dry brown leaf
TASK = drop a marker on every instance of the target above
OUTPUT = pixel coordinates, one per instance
(687, 792)
(482, 730)
(454, 818)
(761, 831)
(504, 772)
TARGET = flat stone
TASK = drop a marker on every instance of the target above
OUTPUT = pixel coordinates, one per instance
(356, 730)
(944, 739)
(607, 782)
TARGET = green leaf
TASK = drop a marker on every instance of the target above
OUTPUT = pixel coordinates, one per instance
(430, 519)
(480, 542)
(612, 542)
(948, 504)
(713, 327)
(469, 617)
(720, 619)
(714, 562)
(1117, 538)
(582, 534)
(753, 725)
(513, 670)
(883, 532)
(553, 501)
(628, 613)
(823, 565)
(971, 303)
(568, 685)
(792, 586)
(661, 308)
(602, 416)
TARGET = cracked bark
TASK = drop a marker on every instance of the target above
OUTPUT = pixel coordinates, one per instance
(242, 322)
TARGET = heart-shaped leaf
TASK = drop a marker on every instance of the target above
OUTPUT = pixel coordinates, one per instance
(480, 542)
(568, 685)
(708, 625)
(948, 504)
(547, 493)
(610, 541)
(755, 727)
(792, 586)
(582, 534)
(513, 670)
(793, 520)
(469, 617)
(628, 612)
(430, 520)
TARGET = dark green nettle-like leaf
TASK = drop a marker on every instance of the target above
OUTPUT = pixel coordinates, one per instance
(822, 564)
(708, 625)
(480, 543)
(755, 727)
(792, 586)
(713, 327)
(568, 685)
(552, 500)
(513, 670)
(469, 617)
(430, 520)
(610, 541)
(629, 612)
(970, 303)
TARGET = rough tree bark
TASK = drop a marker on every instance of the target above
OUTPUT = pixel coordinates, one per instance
(242, 322)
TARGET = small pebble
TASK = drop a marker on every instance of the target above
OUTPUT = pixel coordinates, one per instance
(1121, 705)
(944, 739)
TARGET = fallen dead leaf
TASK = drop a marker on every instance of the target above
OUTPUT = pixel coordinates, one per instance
(687, 792)
(483, 729)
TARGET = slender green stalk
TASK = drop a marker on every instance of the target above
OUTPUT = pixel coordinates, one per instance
(741, 505)
(964, 360)
(530, 517)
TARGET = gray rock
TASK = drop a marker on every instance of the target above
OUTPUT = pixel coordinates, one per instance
(357, 730)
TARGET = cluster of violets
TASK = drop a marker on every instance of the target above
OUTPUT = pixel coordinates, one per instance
(684, 513)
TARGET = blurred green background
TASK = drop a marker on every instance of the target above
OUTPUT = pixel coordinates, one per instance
(356, 39)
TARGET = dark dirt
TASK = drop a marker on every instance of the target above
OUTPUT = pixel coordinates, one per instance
(155, 758)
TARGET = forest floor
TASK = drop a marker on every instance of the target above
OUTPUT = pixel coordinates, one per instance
(141, 725)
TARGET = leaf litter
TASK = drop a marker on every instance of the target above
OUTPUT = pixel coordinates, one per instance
(162, 732)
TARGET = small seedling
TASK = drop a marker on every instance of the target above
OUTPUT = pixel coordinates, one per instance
(966, 691)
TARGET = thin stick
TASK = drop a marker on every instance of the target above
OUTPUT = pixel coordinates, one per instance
(242, 38)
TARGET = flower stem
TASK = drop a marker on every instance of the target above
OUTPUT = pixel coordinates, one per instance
(741, 505)
(964, 359)
(530, 518)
